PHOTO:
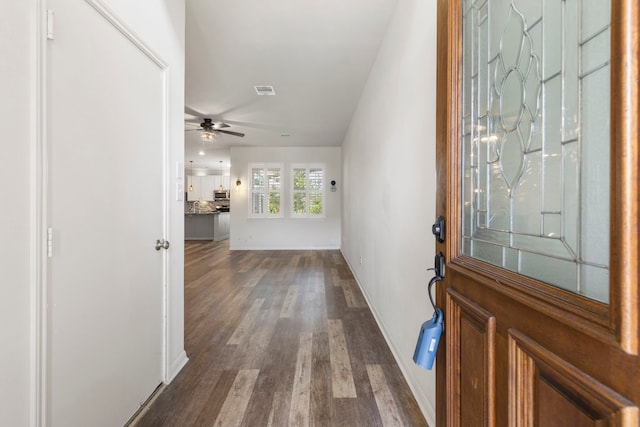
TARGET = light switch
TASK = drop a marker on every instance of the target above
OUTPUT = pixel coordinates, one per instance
(180, 192)
(179, 170)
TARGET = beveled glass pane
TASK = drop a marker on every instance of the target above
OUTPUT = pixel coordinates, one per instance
(466, 246)
(511, 158)
(552, 165)
(466, 70)
(594, 184)
(552, 224)
(502, 238)
(552, 31)
(552, 115)
(570, 81)
(590, 277)
(551, 247)
(571, 191)
(511, 99)
(510, 258)
(483, 166)
(488, 252)
(498, 12)
(511, 41)
(467, 209)
(595, 52)
(595, 16)
(526, 200)
(499, 200)
(532, 10)
(561, 273)
(535, 140)
(483, 60)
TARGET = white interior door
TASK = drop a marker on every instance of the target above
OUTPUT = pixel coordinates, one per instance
(106, 124)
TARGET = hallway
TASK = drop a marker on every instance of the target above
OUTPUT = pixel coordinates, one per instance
(280, 338)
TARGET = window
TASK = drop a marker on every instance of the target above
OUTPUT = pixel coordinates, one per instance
(307, 191)
(266, 191)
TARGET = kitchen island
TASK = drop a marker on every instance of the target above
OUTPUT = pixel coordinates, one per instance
(206, 226)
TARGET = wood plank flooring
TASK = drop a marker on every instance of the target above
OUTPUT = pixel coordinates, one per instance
(280, 338)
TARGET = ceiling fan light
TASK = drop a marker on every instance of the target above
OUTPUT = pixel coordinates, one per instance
(207, 135)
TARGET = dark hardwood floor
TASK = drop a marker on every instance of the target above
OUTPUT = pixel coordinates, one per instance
(280, 338)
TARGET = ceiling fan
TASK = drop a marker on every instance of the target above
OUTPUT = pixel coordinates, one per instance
(209, 128)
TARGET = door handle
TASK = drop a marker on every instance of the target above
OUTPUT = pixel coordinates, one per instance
(162, 244)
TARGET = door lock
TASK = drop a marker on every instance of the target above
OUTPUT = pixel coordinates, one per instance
(438, 229)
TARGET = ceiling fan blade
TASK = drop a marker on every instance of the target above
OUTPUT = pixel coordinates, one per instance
(230, 132)
(189, 130)
(193, 112)
(220, 125)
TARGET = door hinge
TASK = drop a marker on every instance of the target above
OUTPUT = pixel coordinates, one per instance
(49, 242)
(50, 25)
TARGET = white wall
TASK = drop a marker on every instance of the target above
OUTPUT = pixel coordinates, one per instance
(285, 233)
(15, 133)
(389, 191)
(161, 24)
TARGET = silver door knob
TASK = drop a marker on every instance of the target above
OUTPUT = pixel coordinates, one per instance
(161, 243)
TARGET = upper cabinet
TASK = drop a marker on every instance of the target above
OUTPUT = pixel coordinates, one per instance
(217, 182)
(208, 185)
(203, 187)
(220, 181)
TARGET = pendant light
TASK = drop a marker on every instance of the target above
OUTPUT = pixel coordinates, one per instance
(221, 188)
(191, 174)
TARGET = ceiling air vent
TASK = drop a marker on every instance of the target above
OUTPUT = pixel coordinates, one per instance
(265, 90)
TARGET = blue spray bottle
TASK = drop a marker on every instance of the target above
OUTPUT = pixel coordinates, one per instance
(431, 330)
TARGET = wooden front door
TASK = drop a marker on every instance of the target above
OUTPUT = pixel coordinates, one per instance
(537, 145)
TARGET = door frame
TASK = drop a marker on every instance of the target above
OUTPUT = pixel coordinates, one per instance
(616, 323)
(39, 210)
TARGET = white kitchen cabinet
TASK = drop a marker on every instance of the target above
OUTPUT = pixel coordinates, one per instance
(203, 187)
(221, 180)
(217, 181)
(208, 186)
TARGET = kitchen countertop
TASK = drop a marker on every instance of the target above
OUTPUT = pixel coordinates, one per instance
(205, 213)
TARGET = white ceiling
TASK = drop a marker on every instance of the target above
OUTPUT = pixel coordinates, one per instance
(316, 54)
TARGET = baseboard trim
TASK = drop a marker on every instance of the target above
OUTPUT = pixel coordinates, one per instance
(287, 248)
(176, 366)
(174, 370)
(427, 410)
(144, 408)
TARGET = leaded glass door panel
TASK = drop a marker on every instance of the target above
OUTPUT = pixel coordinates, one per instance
(537, 164)
(535, 139)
